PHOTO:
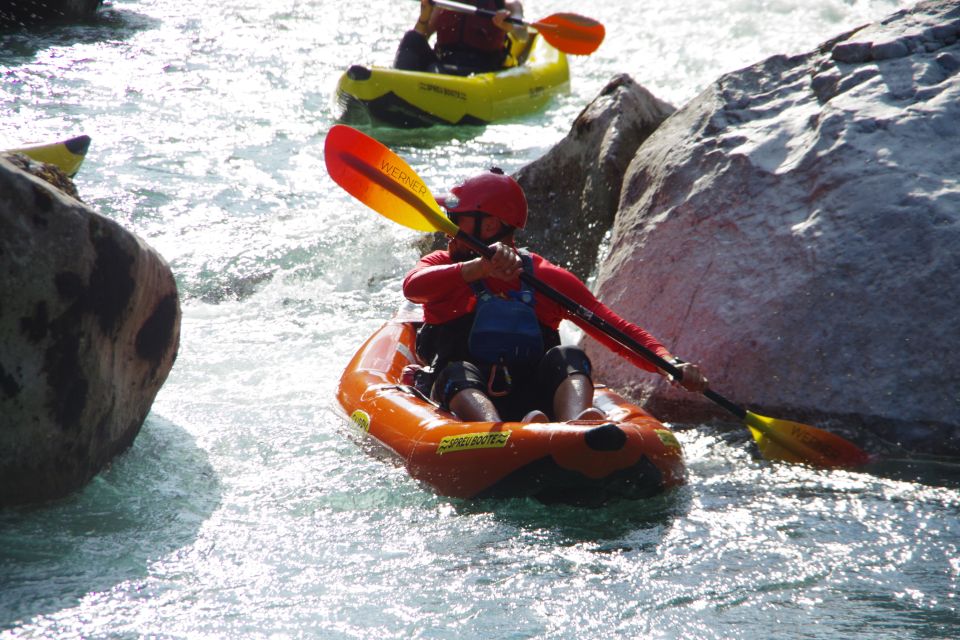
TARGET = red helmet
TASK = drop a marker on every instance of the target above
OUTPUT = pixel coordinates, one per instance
(492, 193)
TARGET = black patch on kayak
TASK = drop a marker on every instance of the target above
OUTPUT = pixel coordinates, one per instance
(606, 437)
(392, 110)
(359, 72)
(78, 146)
(550, 483)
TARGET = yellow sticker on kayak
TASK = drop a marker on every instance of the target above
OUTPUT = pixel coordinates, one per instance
(667, 438)
(361, 419)
(468, 441)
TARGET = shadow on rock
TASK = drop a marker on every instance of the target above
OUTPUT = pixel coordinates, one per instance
(107, 24)
(150, 502)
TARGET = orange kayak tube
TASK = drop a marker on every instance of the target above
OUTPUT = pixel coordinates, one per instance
(629, 455)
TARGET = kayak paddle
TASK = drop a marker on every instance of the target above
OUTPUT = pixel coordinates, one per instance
(380, 179)
(567, 32)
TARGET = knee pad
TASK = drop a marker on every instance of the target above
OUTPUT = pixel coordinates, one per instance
(454, 378)
(558, 364)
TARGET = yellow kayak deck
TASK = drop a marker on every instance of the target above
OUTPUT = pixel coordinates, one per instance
(68, 154)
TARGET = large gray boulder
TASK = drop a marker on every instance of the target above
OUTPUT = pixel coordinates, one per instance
(22, 13)
(574, 189)
(796, 229)
(89, 330)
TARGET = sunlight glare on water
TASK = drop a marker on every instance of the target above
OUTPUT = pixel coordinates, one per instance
(248, 508)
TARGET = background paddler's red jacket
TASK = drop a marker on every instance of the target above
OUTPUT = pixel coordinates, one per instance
(437, 284)
(457, 30)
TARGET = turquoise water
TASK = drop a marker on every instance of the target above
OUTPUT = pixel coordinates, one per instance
(245, 509)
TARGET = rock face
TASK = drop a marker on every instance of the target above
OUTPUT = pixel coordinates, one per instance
(796, 229)
(21, 13)
(89, 329)
(573, 190)
(49, 173)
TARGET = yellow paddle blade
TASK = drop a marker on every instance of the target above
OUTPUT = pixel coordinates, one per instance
(795, 442)
(379, 178)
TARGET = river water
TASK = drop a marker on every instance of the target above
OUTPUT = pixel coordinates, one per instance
(245, 508)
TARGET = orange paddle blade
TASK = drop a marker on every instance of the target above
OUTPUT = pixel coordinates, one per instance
(795, 442)
(571, 33)
(379, 178)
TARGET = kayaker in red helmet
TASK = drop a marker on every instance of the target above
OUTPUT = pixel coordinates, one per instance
(494, 344)
(464, 43)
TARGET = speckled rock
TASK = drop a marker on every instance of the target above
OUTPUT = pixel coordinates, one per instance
(89, 330)
(573, 190)
(47, 172)
(796, 229)
(22, 13)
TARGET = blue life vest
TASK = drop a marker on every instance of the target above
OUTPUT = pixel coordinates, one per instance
(506, 330)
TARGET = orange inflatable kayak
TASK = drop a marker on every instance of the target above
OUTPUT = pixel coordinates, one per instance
(629, 455)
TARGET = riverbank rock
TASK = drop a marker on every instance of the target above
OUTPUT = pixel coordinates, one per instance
(89, 330)
(796, 229)
(49, 173)
(24, 13)
(574, 189)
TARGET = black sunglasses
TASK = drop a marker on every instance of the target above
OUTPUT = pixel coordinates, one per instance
(455, 216)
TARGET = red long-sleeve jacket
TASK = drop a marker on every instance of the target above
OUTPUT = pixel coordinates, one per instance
(437, 284)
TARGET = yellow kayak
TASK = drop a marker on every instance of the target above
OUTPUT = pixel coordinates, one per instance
(419, 99)
(68, 155)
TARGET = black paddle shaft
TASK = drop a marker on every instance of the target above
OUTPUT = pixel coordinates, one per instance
(602, 325)
(478, 11)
